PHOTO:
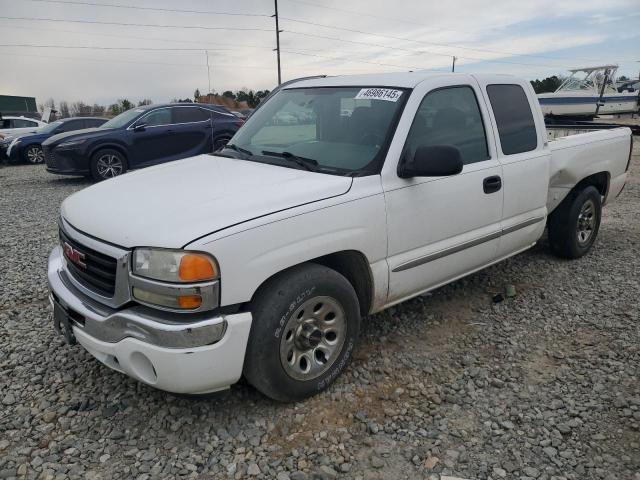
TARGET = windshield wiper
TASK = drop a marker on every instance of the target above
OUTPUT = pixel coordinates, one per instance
(306, 163)
(231, 146)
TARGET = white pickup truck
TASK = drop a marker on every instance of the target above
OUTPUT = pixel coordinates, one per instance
(262, 259)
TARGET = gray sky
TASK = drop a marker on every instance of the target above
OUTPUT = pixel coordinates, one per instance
(532, 39)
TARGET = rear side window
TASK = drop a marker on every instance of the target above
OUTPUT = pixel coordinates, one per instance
(516, 127)
(189, 114)
(70, 126)
(450, 116)
(93, 122)
(20, 123)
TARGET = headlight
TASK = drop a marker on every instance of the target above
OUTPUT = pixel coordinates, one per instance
(72, 143)
(175, 279)
(176, 266)
(14, 143)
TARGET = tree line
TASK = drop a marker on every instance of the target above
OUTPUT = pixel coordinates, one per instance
(67, 109)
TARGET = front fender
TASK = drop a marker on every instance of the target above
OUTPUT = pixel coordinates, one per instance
(252, 253)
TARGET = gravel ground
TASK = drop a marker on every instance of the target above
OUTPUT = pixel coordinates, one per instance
(541, 386)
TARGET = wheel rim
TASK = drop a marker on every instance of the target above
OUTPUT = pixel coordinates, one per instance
(35, 155)
(586, 222)
(312, 338)
(109, 166)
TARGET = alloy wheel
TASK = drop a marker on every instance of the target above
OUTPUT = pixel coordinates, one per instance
(109, 166)
(35, 154)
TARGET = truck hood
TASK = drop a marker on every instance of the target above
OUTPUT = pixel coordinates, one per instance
(173, 204)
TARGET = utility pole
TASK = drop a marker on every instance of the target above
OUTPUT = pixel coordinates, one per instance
(453, 65)
(208, 71)
(278, 31)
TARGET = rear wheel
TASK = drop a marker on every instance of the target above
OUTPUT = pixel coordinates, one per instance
(107, 163)
(305, 325)
(34, 154)
(574, 224)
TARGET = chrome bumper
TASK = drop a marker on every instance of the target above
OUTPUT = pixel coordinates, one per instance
(148, 325)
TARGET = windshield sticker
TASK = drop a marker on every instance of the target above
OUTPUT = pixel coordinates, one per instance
(379, 94)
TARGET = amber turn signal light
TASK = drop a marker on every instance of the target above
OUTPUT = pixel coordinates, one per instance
(190, 301)
(196, 268)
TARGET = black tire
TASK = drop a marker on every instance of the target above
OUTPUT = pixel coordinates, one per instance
(107, 163)
(273, 311)
(33, 154)
(220, 141)
(568, 223)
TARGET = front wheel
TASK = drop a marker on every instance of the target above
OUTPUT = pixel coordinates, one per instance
(34, 154)
(305, 325)
(574, 224)
(107, 163)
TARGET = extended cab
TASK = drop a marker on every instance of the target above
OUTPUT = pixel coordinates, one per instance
(262, 259)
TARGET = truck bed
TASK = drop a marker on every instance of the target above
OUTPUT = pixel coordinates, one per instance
(578, 153)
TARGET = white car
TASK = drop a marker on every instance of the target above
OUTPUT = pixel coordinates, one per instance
(262, 260)
(11, 126)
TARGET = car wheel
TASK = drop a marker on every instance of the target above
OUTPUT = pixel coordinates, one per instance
(220, 142)
(305, 325)
(34, 154)
(574, 224)
(108, 163)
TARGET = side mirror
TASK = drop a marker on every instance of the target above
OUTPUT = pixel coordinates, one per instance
(432, 161)
(140, 127)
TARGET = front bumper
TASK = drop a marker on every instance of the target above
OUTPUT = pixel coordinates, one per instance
(65, 162)
(8, 155)
(174, 352)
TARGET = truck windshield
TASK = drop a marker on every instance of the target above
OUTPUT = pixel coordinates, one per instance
(336, 130)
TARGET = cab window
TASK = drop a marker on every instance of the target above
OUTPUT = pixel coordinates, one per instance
(157, 118)
(516, 127)
(450, 116)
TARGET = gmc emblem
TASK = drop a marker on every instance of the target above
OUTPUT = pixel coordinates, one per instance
(74, 256)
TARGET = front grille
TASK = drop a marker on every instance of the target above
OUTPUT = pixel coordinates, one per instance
(49, 156)
(99, 272)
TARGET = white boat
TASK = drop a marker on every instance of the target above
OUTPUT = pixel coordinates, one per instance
(587, 92)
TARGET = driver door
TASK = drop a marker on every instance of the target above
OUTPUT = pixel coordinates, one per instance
(441, 228)
(151, 140)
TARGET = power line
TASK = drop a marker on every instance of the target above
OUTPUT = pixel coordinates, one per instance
(91, 47)
(154, 25)
(351, 60)
(369, 44)
(155, 9)
(109, 60)
(404, 39)
(195, 42)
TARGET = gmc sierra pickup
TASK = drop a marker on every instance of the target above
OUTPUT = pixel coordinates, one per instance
(338, 198)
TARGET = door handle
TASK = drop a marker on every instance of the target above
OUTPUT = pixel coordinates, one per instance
(492, 184)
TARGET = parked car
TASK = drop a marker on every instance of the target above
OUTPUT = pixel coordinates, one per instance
(28, 147)
(10, 125)
(141, 137)
(262, 259)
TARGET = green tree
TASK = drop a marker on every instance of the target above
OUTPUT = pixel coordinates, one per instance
(229, 94)
(125, 104)
(549, 84)
(145, 101)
